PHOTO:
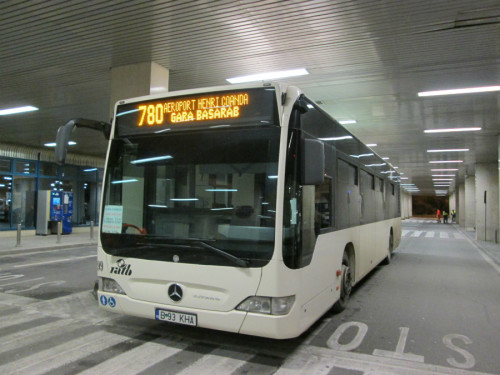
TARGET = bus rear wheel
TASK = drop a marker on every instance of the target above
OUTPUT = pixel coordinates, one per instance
(345, 285)
(387, 259)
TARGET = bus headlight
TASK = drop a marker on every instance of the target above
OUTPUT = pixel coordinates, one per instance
(110, 286)
(267, 305)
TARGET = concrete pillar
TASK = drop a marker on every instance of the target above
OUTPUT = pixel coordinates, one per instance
(498, 157)
(470, 203)
(487, 201)
(130, 81)
(461, 205)
(452, 201)
(406, 205)
(452, 204)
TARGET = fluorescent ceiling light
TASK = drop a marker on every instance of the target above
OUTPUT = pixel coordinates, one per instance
(90, 170)
(336, 138)
(268, 76)
(450, 150)
(162, 131)
(53, 144)
(444, 170)
(184, 199)
(127, 112)
(469, 90)
(450, 130)
(147, 160)
(443, 179)
(377, 165)
(371, 144)
(443, 175)
(347, 122)
(156, 89)
(221, 190)
(11, 111)
(124, 181)
(445, 161)
(362, 155)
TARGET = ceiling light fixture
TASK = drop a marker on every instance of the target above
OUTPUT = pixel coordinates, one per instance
(336, 138)
(156, 89)
(445, 161)
(53, 144)
(444, 170)
(371, 144)
(268, 76)
(347, 122)
(12, 111)
(450, 150)
(468, 90)
(450, 130)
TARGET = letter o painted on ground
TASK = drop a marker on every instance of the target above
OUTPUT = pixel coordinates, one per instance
(333, 341)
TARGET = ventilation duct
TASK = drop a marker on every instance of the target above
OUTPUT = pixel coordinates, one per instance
(31, 153)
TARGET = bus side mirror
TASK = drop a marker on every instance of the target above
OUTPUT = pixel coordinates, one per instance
(62, 138)
(312, 162)
(65, 131)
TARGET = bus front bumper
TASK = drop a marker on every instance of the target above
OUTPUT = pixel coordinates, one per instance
(277, 327)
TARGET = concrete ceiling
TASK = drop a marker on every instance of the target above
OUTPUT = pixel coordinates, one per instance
(367, 61)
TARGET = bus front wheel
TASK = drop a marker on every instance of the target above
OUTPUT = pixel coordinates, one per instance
(345, 285)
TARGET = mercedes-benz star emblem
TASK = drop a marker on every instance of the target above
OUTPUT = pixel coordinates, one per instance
(175, 292)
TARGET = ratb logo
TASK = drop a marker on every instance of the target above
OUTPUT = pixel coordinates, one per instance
(121, 268)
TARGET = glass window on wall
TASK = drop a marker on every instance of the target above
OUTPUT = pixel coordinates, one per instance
(23, 201)
(25, 166)
(90, 195)
(5, 165)
(5, 201)
(48, 169)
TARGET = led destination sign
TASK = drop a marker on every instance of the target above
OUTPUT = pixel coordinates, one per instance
(208, 108)
(242, 107)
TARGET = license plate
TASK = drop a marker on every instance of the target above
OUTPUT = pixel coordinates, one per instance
(176, 317)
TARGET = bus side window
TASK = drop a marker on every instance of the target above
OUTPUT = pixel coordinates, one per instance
(323, 202)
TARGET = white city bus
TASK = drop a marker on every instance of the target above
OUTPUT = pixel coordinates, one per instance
(243, 209)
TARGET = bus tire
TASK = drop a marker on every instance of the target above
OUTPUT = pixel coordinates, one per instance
(345, 285)
(387, 259)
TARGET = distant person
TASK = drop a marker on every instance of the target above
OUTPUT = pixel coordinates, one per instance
(438, 215)
(453, 215)
(445, 217)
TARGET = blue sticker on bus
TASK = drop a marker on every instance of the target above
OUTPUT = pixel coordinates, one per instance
(112, 302)
(104, 300)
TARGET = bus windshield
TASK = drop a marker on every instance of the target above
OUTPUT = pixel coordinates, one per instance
(205, 197)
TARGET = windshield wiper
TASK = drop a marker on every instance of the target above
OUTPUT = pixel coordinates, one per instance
(202, 242)
(240, 262)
